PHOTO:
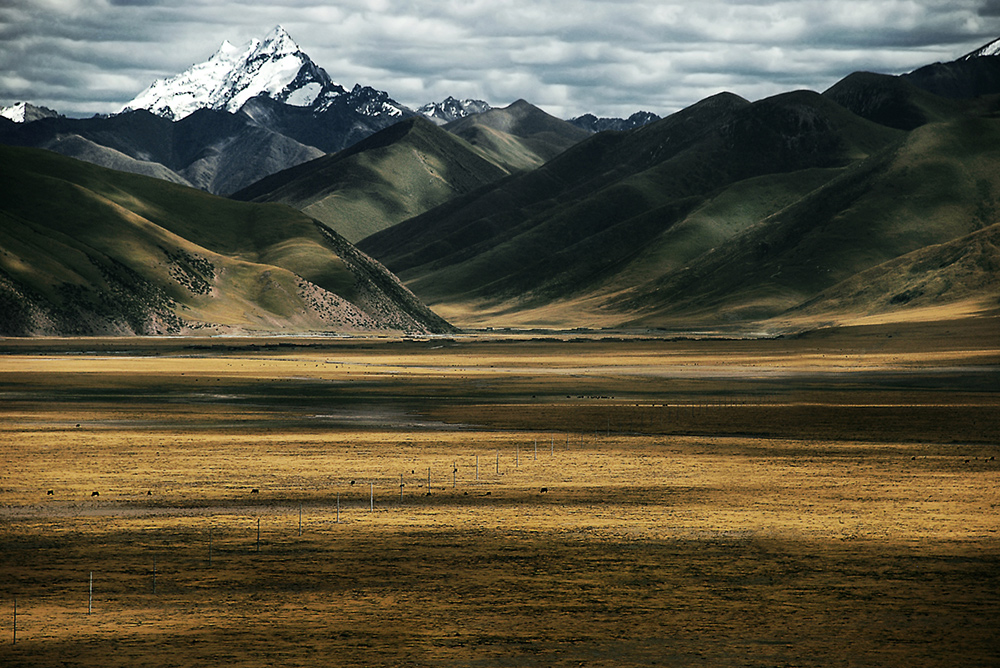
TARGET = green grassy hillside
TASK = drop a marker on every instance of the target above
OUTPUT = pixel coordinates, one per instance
(619, 210)
(938, 187)
(87, 250)
(726, 212)
(519, 137)
(396, 174)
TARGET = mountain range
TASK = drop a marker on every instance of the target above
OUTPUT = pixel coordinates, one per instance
(274, 109)
(876, 199)
(788, 209)
(414, 166)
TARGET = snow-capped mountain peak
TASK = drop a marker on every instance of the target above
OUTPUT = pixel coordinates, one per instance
(25, 112)
(451, 109)
(274, 66)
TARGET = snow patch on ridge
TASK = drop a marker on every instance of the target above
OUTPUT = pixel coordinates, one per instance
(991, 49)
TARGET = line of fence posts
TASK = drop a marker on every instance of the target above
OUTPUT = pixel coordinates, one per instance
(517, 463)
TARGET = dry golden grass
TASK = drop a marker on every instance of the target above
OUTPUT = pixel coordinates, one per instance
(710, 503)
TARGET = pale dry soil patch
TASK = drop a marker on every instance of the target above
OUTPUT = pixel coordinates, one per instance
(790, 517)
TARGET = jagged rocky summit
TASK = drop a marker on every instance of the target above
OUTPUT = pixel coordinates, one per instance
(274, 67)
(592, 123)
(451, 109)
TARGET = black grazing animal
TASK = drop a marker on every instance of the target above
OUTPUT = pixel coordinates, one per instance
(544, 489)
(95, 493)
(49, 493)
(255, 491)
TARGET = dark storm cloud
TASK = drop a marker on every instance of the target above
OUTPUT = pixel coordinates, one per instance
(610, 57)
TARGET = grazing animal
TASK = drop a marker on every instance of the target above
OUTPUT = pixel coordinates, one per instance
(544, 489)
(255, 491)
(149, 493)
(95, 493)
(49, 493)
(352, 482)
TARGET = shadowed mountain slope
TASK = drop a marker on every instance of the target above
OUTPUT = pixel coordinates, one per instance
(566, 232)
(891, 101)
(959, 79)
(929, 196)
(393, 175)
(212, 150)
(86, 250)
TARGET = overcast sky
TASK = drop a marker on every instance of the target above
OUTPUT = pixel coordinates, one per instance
(608, 57)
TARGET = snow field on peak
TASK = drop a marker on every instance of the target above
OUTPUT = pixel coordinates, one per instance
(231, 77)
(15, 112)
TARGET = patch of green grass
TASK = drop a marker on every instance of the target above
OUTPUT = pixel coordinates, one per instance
(70, 221)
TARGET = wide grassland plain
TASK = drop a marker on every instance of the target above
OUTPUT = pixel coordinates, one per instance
(822, 500)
